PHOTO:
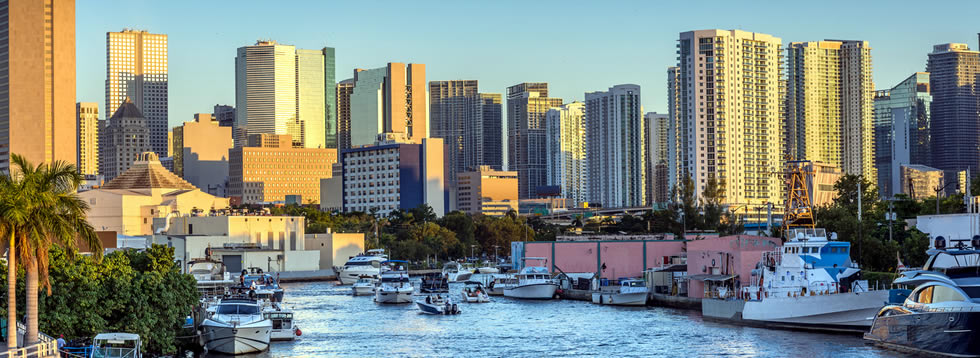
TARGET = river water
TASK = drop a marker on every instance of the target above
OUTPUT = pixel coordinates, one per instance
(334, 323)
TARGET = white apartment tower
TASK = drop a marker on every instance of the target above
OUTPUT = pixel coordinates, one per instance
(136, 68)
(615, 147)
(729, 104)
(566, 166)
(657, 128)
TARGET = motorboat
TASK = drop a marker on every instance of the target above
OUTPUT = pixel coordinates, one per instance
(497, 286)
(437, 304)
(808, 283)
(365, 264)
(533, 282)
(474, 292)
(237, 326)
(116, 345)
(364, 286)
(486, 270)
(434, 282)
(456, 272)
(266, 286)
(630, 293)
(941, 316)
(283, 328)
(212, 278)
(395, 286)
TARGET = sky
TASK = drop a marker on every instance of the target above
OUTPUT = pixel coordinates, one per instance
(575, 46)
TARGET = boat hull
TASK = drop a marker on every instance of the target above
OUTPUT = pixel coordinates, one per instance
(285, 334)
(349, 276)
(393, 297)
(620, 299)
(250, 338)
(953, 334)
(363, 290)
(842, 312)
(479, 298)
(460, 277)
(435, 309)
(487, 270)
(537, 291)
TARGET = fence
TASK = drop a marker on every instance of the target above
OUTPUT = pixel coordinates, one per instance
(47, 347)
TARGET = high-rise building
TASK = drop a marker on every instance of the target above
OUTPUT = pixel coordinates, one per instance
(122, 139)
(269, 168)
(729, 102)
(395, 173)
(527, 104)
(201, 153)
(330, 96)
(615, 147)
(345, 89)
(224, 114)
(487, 191)
(657, 129)
(469, 121)
(37, 78)
(676, 147)
(136, 68)
(389, 99)
(88, 138)
(566, 166)
(830, 104)
(281, 90)
(955, 126)
(902, 123)
(919, 181)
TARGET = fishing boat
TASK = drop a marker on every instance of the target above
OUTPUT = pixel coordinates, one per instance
(364, 286)
(941, 316)
(365, 264)
(395, 286)
(454, 272)
(630, 293)
(533, 282)
(437, 304)
(474, 292)
(283, 328)
(237, 326)
(497, 286)
(116, 345)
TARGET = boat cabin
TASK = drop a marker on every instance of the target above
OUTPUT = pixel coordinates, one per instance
(280, 320)
(116, 345)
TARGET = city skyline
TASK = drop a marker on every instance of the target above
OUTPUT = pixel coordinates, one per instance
(202, 56)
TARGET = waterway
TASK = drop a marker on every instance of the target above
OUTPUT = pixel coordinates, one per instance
(334, 323)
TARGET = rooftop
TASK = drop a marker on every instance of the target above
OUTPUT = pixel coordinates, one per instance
(148, 173)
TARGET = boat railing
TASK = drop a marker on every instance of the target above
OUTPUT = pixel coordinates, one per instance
(46, 347)
(772, 258)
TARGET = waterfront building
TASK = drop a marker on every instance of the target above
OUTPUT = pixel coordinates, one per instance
(470, 122)
(726, 256)
(830, 104)
(566, 166)
(335, 248)
(527, 104)
(676, 128)
(954, 124)
(224, 114)
(136, 68)
(390, 99)
(345, 89)
(610, 258)
(201, 153)
(332, 190)
(282, 90)
(920, 181)
(902, 130)
(395, 173)
(270, 167)
(37, 60)
(657, 129)
(615, 147)
(128, 203)
(730, 108)
(87, 114)
(487, 191)
(123, 138)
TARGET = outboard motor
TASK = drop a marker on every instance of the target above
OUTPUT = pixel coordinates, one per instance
(940, 242)
(976, 242)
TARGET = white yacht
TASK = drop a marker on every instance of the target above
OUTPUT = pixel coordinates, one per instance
(497, 286)
(283, 328)
(486, 269)
(366, 264)
(455, 272)
(395, 286)
(364, 286)
(533, 282)
(629, 293)
(474, 292)
(237, 327)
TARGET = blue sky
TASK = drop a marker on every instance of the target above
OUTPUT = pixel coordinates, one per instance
(575, 46)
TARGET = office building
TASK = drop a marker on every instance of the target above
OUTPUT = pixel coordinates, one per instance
(729, 102)
(345, 89)
(122, 139)
(282, 90)
(902, 123)
(37, 75)
(224, 114)
(330, 97)
(920, 181)
(395, 173)
(136, 68)
(87, 161)
(954, 124)
(830, 104)
(657, 129)
(470, 122)
(615, 147)
(269, 168)
(527, 104)
(566, 166)
(487, 191)
(201, 153)
(390, 99)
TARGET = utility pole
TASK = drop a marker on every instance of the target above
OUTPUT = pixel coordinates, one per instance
(891, 216)
(860, 228)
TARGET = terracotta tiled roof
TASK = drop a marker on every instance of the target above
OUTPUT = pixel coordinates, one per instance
(148, 173)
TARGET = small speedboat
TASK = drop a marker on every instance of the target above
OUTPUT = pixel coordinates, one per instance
(237, 326)
(473, 292)
(630, 293)
(395, 286)
(437, 304)
(364, 286)
(266, 286)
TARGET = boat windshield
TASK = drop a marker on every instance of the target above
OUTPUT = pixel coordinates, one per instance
(360, 263)
(238, 309)
(633, 283)
(116, 349)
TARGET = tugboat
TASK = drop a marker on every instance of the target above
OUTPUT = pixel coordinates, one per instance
(942, 314)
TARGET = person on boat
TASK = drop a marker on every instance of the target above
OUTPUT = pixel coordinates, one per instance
(61, 345)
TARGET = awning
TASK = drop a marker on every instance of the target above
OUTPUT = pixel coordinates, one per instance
(719, 278)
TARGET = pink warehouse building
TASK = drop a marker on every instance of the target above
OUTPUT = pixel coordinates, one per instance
(718, 259)
(621, 258)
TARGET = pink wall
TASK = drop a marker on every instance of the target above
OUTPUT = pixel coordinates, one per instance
(622, 258)
(656, 250)
(743, 252)
(576, 256)
(539, 249)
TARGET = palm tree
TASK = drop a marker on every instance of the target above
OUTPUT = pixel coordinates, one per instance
(13, 215)
(54, 214)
